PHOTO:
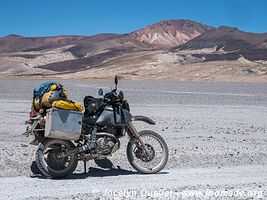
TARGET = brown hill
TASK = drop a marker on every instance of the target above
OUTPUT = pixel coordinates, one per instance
(229, 44)
(169, 33)
(16, 43)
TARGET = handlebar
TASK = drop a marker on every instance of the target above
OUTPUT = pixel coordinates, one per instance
(112, 97)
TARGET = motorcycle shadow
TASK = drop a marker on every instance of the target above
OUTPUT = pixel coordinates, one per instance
(106, 169)
(98, 172)
(103, 171)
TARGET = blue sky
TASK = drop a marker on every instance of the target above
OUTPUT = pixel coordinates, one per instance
(88, 17)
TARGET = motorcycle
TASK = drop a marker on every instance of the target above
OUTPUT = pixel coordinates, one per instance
(110, 120)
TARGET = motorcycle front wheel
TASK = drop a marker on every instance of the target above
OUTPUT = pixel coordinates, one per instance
(48, 162)
(157, 156)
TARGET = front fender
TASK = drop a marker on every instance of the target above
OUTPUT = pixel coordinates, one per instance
(143, 119)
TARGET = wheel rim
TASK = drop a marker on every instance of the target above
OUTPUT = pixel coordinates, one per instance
(151, 162)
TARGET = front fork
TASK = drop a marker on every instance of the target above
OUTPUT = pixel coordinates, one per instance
(133, 133)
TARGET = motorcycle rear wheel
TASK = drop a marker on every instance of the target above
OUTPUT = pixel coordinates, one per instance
(49, 164)
(143, 163)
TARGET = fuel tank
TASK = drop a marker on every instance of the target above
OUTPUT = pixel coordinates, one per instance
(114, 117)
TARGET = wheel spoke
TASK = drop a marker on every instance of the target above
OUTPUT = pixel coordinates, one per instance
(155, 149)
(51, 157)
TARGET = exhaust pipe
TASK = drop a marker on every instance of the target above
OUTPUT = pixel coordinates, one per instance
(86, 147)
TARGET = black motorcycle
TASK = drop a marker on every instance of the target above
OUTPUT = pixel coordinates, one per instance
(104, 122)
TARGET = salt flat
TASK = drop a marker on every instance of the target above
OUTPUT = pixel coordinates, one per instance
(216, 133)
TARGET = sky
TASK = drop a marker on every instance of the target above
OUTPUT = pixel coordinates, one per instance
(89, 17)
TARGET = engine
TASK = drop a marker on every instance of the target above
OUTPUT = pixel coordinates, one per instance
(105, 144)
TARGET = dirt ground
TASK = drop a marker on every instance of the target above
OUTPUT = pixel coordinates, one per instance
(144, 65)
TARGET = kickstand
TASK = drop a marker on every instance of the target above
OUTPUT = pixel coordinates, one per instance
(84, 165)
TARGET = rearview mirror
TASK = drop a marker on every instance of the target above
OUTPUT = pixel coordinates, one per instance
(100, 92)
(116, 81)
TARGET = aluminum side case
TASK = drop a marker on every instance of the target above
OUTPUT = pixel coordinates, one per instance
(63, 124)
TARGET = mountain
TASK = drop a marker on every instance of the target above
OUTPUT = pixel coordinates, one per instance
(15, 43)
(169, 33)
(228, 44)
(162, 34)
(79, 52)
(169, 49)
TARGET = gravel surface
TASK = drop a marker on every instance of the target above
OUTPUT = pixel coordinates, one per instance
(216, 133)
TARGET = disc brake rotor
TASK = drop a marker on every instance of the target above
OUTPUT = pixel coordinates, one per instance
(53, 161)
(141, 154)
